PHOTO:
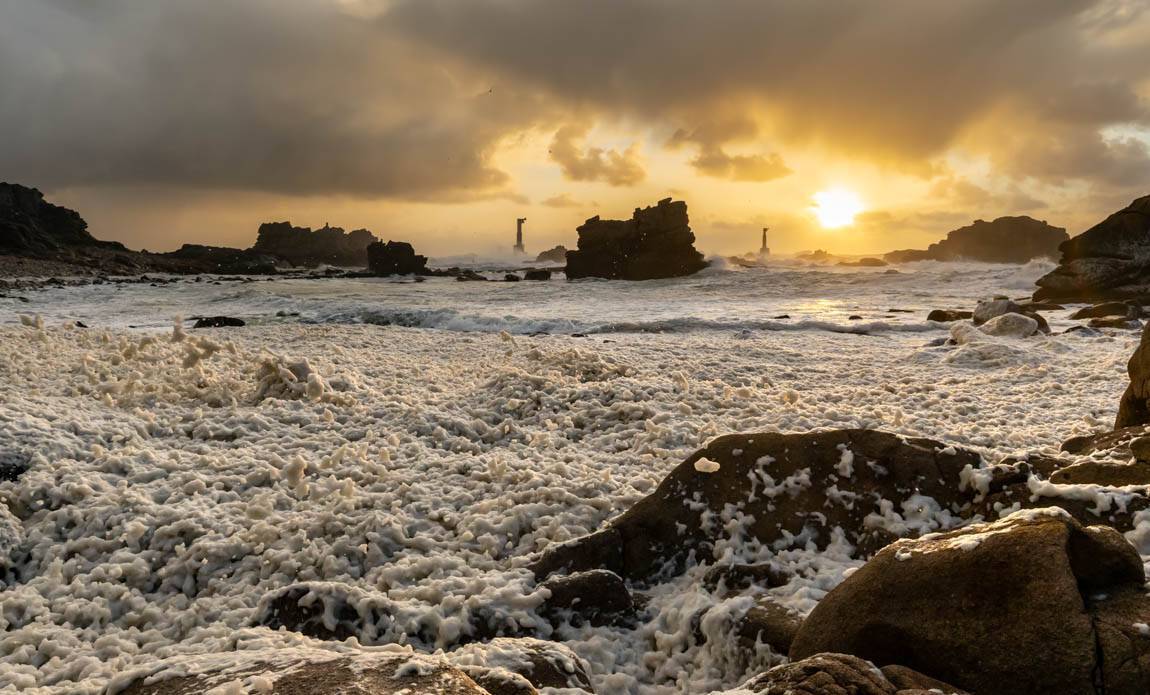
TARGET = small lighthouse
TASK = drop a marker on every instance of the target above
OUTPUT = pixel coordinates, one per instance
(519, 234)
(765, 250)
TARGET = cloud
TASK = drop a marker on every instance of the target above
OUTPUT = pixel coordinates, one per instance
(581, 163)
(758, 167)
(564, 200)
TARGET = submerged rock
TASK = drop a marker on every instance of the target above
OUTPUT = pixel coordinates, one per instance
(1009, 607)
(865, 263)
(656, 242)
(395, 258)
(1005, 240)
(793, 489)
(1111, 260)
(521, 665)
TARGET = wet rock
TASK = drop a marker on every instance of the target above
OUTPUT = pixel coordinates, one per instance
(316, 609)
(842, 674)
(996, 609)
(598, 597)
(298, 671)
(537, 274)
(1111, 260)
(1116, 322)
(1004, 240)
(218, 322)
(1129, 310)
(770, 623)
(739, 577)
(1011, 326)
(854, 317)
(13, 464)
(511, 277)
(395, 258)
(1101, 473)
(1133, 408)
(656, 242)
(555, 255)
(948, 315)
(469, 276)
(520, 666)
(865, 263)
(871, 485)
(988, 310)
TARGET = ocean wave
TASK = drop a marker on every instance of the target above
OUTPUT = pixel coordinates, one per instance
(453, 320)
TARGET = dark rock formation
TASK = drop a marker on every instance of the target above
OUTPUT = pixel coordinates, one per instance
(739, 577)
(1134, 408)
(218, 322)
(656, 242)
(395, 258)
(13, 464)
(301, 246)
(598, 597)
(1128, 310)
(865, 263)
(1119, 322)
(31, 226)
(1033, 603)
(1005, 240)
(1111, 260)
(801, 487)
(222, 260)
(948, 315)
(532, 664)
(842, 674)
(538, 274)
(555, 255)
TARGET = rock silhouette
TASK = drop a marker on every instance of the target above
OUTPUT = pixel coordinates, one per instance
(301, 246)
(1004, 240)
(656, 242)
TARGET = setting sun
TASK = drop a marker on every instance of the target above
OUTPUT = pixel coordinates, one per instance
(836, 207)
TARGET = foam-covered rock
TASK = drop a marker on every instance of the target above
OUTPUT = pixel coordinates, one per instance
(843, 674)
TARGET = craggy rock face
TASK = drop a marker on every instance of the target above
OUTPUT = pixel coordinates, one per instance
(302, 671)
(1133, 408)
(303, 247)
(656, 242)
(395, 258)
(1005, 240)
(842, 674)
(1111, 260)
(781, 489)
(29, 225)
(1033, 603)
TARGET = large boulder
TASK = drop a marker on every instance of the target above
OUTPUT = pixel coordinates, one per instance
(31, 226)
(520, 666)
(1111, 260)
(1032, 603)
(843, 674)
(656, 242)
(792, 489)
(298, 670)
(301, 246)
(1134, 408)
(395, 258)
(1005, 240)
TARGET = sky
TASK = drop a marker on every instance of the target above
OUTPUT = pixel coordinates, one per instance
(441, 121)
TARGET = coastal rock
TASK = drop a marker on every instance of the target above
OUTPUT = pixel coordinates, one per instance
(1001, 608)
(873, 487)
(301, 246)
(31, 226)
(537, 274)
(656, 242)
(739, 577)
(13, 464)
(218, 322)
(1117, 322)
(986, 310)
(843, 674)
(1005, 240)
(222, 260)
(1134, 408)
(1010, 325)
(1128, 310)
(1111, 260)
(299, 670)
(555, 255)
(598, 597)
(521, 665)
(948, 315)
(865, 263)
(395, 258)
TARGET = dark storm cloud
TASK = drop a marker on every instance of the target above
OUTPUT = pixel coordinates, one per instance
(289, 96)
(896, 81)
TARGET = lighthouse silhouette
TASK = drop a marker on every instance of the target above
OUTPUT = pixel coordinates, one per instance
(519, 234)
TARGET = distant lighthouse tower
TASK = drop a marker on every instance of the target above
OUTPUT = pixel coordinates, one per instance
(519, 234)
(765, 250)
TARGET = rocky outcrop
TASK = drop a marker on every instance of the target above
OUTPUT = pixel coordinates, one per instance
(537, 274)
(1111, 260)
(865, 263)
(843, 674)
(555, 255)
(656, 242)
(948, 315)
(1005, 240)
(521, 666)
(1033, 603)
(395, 258)
(31, 226)
(873, 486)
(222, 260)
(1134, 408)
(300, 246)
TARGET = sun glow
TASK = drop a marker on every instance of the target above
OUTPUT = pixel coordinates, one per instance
(836, 207)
